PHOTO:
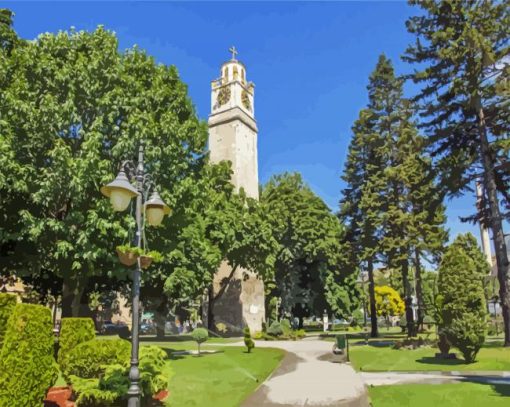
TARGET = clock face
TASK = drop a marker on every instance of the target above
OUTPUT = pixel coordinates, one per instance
(223, 96)
(246, 100)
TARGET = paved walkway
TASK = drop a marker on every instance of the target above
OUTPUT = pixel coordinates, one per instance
(389, 378)
(307, 377)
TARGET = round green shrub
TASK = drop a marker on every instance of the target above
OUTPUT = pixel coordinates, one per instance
(73, 331)
(200, 335)
(7, 304)
(28, 367)
(88, 359)
(275, 329)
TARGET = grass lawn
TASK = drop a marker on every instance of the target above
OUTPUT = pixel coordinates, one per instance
(439, 395)
(374, 358)
(219, 380)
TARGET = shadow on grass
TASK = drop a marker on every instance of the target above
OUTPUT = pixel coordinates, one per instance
(502, 389)
(430, 360)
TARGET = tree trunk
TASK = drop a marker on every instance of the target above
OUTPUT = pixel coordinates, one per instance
(160, 318)
(419, 289)
(213, 298)
(408, 299)
(496, 224)
(210, 311)
(72, 293)
(371, 292)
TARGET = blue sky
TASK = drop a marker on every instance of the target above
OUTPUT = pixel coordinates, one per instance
(310, 63)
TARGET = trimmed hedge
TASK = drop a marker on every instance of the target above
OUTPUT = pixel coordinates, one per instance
(7, 304)
(73, 331)
(28, 367)
(248, 342)
(89, 359)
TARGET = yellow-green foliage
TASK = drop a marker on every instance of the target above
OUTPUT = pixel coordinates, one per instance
(28, 368)
(73, 332)
(388, 301)
(7, 304)
(89, 359)
(113, 383)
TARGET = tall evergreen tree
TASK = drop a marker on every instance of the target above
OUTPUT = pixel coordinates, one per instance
(462, 50)
(391, 202)
(360, 203)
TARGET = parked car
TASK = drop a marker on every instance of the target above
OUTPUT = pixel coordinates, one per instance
(147, 328)
(117, 328)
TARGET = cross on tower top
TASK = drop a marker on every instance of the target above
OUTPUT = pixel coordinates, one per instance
(234, 52)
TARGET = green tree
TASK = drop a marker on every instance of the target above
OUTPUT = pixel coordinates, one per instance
(74, 110)
(200, 335)
(360, 204)
(391, 203)
(309, 271)
(461, 297)
(460, 50)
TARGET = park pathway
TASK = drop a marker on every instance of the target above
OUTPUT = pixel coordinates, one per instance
(390, 378)
(307, 377)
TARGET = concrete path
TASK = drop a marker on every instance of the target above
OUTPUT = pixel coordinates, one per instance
(307, 377)
(390, 378)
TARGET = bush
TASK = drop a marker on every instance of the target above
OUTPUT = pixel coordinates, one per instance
(152, 363)
(258, 335)
(354, 329)
(461, 297)
(357, 318)
(113, 384)
(428, 321)
(300, 333)
(247, 340)
(286, 327)
(28, 367)
(89, 359)
(221, 328)
(73, 331)
(7, 304)
(413, 343)
(200, 335)
(275, 329)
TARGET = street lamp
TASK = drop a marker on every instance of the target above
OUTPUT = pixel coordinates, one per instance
(120, 191)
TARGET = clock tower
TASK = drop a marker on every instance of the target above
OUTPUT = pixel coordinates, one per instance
(233, 137)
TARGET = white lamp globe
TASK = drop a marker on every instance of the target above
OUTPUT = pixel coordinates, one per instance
(120, 198)
(120, 191)
(155, 209)
(155, 215)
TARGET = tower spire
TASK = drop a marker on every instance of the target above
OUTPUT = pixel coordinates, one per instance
(234, 52)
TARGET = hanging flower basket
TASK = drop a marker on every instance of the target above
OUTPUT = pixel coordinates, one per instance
(127, 255)
(145, 261)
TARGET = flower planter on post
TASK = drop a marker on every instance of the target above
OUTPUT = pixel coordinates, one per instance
(127, 258)
(145, 261)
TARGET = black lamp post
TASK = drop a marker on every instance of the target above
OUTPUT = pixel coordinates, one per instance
(120, 191)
